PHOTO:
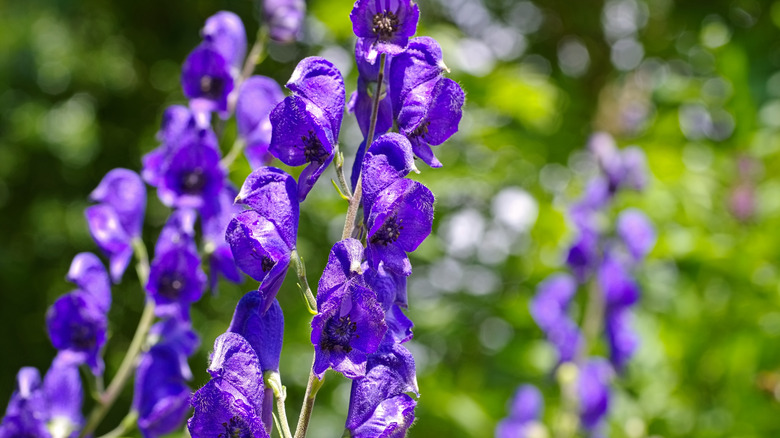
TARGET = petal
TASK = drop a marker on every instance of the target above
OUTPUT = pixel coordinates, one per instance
(175, 278)
(161, 394)
(75, 323)
(421, 62)
(444, 113)
(593, 391)
(392, 256)
(407, 207)
(123, 190)
(221, 410)
(109, 235)
(178, 232)
(285, 19)
(88, 273)
(344, 263)
(257, 96)
(273, 194)
(235, 362)
(264, 330)
(64, 393)
(389, 159)
(310, 175)
(224, 32)
(527, 404)
(391, 419)
(193, 173)
(301, 132)
(206, 79)
(256, 245)
(636, 231)
(319, 81)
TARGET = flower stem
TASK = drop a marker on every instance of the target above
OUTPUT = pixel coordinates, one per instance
(303, 284)
(354, 201)
(127, 366)
(312, 387)
(235, 151)
(273, 380)
(255, 55)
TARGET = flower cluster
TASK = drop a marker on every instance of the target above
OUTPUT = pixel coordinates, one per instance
(602, 259)
(359, 324)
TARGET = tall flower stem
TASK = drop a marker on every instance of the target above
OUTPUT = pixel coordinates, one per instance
(127, 366)
(354, 201)
(314, 383)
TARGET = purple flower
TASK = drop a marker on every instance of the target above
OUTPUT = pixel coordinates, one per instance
(400, 219)
(422, 62)
(593, 391)
(390, 289)
(161, 394)
(623, 340)
(175, 277)
(207, 80)
(320, 82)
(76, 324)
(111, 237)
(191, 172)
(344, 265)
(214, 224)
(626, 168)
(176, 120)
(386, 24)
(635, 168)
(285, 19)
(619, 288)
(567, 339)
(636, 232)
(526, 407)
(177, 334)
(263, 329)
(26, 414)
(257, 96)
(552, 299)
(362, 102)
(64, 395)
(302, 134)
(259, 251)
(430, 116)
(583, 254)
(125, 192)
(349, 326)
(232, 403)
(389, 159)
(87, 272)
(272, 193)
(378, 404)
(224, 32)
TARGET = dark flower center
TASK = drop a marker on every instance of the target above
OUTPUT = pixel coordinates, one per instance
(236, 428)
(267, 263)
(389, 232)
(193, 181)
(312, 148)
(385, 25)
(170, 286)
(211, 87)
(338, 333)
(420, 131)
(82, 337)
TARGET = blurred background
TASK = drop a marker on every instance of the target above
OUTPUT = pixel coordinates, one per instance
(695, 84)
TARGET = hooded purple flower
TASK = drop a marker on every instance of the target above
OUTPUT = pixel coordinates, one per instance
(231, 404)
(111, 237)
(526, 407)
(257, 96)
(161, 394)
(175, 277)
(76, 324)
(378, 403)
(636, 232)
(583, 254)
(623, 340)
(224, 32)
(422, 62)
(567, 339)
(390, 289)
(344, 265)
(176, 334)
(284, 18)
(593, 391)
(125, 192)
(214, 224)
(400, 219)
(386, 24)
(306, 125)
(626, 168)
(349, 326)
(207, 80)
(191, 172)
(26, 414)
(259, 251)
(176, 120)
(87, 272)
(430, 116)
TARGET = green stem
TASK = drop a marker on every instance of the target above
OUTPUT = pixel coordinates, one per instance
(338, 163)
(127, 366)
(255, 55)
(128, 423)
(312, 387)
(273, 380)
(235, 151)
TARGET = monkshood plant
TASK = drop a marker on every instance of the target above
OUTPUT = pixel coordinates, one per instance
(602, 262)
(214, 229)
